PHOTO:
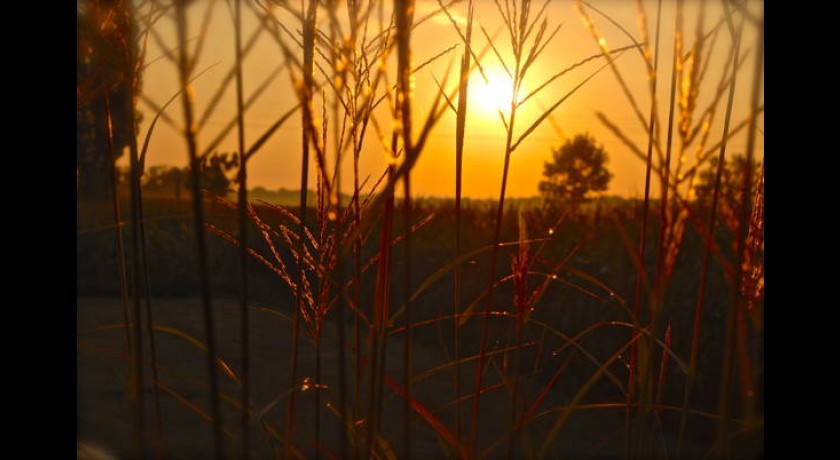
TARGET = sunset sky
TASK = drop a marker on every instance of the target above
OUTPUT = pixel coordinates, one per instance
(278, 163)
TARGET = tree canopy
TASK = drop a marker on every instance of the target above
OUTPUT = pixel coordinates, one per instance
(576, 169)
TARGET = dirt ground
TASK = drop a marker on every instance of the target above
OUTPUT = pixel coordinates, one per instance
(105, 416)
(104, 409)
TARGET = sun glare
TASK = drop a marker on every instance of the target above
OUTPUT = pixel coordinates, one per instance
(495, 93)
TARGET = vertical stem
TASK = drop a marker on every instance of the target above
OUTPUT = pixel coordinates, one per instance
(133, 59)
(640, 273)
(244, 319)
(404, 10)
(728, 364)
(137, 196)
(657, 300)
(357, 290)
(138, 287)
(104, 123)
(339, 318)
(408, 330)
(460, 131)
(134, 364)
(339, 248)
(380, 313)
(665, 169)
(185, 69)
(150, 322)
(317, 390)
(352, 13)
(746, 209)
(708, 244)
(497, 235)
(308, 65)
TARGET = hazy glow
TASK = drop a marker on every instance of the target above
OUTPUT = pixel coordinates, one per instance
(494, 94)
(278, 163)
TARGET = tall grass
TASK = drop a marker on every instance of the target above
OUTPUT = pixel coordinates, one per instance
(627, 376)
(698, 311)
(460, 134)
(242, 182)
(305, 101)
(404, 12)
(739, 305)
(121, 261)
(689, 69)
(185, 65)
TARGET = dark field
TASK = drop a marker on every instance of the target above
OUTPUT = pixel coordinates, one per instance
(594, 259)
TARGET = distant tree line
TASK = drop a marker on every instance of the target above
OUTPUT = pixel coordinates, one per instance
(216, 177)
(578, 170)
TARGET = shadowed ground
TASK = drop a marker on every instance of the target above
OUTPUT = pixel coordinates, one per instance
(105, 416)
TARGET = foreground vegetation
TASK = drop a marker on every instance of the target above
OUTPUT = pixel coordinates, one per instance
(466, 328)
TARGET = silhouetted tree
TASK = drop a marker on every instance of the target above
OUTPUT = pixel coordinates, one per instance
(576, 169)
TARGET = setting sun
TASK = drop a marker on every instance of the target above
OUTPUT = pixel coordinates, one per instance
(495, 93)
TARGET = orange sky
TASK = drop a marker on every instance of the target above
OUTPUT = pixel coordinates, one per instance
(278, 163)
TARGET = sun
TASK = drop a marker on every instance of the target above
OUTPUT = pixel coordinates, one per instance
(493, 94)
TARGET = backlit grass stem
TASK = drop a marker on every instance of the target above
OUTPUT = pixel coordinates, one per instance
(242, 214)
(307, 89)
(184, 72)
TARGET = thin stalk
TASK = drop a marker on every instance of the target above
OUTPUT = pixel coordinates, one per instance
(708, 244)
(339, 319)
(357, 280)
(640, 272)
(380, 313)
(382, 302)
(322, 287)
(198, 224)
(136, 166)
(339, 269)
(460, 130)
(308, 84)
(658, 294)
(407, 354)
(746, 210)
(134, 59)
(357, 285)
(380, 379)
(121, 266)
(728, 362)
(150, 321)
(404, 11)
(492, 272)
(665, 169)
(244, 319)
(137, 284)
(318, 340)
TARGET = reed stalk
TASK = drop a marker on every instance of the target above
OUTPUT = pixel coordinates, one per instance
(190, 134)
